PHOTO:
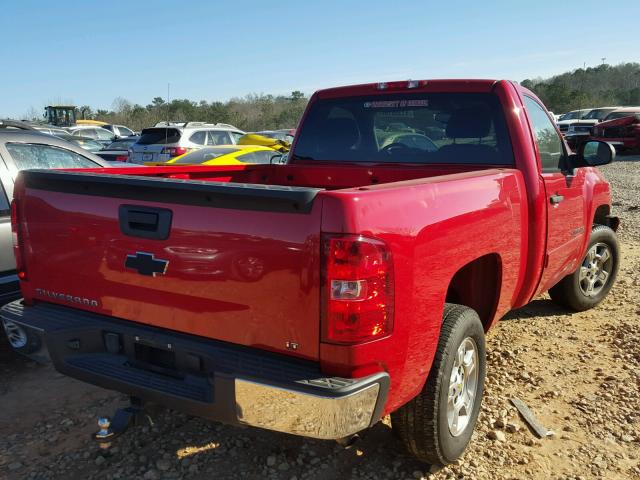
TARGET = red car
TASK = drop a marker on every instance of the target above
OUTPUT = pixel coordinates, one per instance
(621, 129)
(381, 264)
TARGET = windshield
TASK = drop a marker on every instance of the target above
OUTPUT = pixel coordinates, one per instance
(87, 144)
(124, 131)
(598, 113)
(203, 155)
(121, 144)
(452, 128)
(577, 114)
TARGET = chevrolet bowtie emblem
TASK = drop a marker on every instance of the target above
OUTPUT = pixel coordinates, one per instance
(146, 264)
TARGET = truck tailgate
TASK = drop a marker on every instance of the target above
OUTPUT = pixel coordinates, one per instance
(233, 262)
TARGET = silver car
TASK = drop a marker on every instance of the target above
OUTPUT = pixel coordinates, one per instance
(22, 149)
(170, 139)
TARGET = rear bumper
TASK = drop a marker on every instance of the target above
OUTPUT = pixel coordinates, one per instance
(207, 378)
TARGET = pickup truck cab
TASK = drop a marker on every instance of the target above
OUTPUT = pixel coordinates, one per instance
(315, 297)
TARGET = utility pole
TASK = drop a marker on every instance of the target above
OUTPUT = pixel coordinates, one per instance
(603, 59)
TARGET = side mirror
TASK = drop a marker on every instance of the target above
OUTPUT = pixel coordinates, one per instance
(595, 153)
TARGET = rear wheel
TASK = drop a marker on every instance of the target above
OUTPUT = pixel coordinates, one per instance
(590, 283)
(436, 426)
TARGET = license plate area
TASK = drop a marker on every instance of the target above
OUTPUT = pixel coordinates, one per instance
(147, 157)
(155, 359)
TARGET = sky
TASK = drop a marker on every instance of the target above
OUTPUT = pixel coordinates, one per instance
(89, 52)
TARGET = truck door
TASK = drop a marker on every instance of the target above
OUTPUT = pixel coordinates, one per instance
(564, 198)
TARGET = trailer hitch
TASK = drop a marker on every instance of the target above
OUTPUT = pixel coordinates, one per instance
(123, 418)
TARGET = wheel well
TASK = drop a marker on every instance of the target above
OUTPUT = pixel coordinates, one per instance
(477, 285)
(602, 217)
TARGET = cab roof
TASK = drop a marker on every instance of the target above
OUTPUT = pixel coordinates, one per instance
(456, 85)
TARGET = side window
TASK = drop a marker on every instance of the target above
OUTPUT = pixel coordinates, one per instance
(549, 143)
(103, 134)
(199, 137)
(5, 209)
(218, 138)
(236, 136)
(124, 132)
(34, 155)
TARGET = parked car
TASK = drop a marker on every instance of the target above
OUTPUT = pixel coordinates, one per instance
(83, 142)
(97, 133)
(370, 273)
(118, 151)
(51, 130)
(285, 135)
(226, 155)
(119, 131)
(566, 118)
(27, 125)
(578, 131)
(22, 149)
(168, 140)
(621, 128)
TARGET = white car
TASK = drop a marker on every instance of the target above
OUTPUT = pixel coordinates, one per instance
(170, 139)
(94, 132)
(566, 119)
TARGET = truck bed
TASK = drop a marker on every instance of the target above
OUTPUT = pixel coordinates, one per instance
(229, 253)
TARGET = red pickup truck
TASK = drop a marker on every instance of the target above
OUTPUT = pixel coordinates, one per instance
(315, 297)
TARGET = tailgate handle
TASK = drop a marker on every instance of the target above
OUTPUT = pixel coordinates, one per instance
(145, 222)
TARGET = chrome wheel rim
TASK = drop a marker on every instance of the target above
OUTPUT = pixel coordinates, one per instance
(16, 335)
(595, 269)
(463, 387)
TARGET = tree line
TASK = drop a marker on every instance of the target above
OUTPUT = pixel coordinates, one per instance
(604, 85)
(250, 113)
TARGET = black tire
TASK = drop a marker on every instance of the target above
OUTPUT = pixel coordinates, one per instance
(422, 423)
(569, 294)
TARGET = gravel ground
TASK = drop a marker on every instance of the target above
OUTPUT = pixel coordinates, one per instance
(579, 374)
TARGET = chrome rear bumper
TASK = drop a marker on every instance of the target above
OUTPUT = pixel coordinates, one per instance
(208, 378)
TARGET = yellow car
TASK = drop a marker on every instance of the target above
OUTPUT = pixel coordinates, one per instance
(225, 155)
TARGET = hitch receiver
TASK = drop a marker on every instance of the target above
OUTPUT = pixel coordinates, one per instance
(112, 428)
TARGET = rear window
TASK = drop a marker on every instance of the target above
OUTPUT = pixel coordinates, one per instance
(151, 136)
(203, 155)
(598, 113)
(450, 128)
(614, 115)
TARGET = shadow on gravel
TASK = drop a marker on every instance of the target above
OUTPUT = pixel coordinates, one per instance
(536, 308)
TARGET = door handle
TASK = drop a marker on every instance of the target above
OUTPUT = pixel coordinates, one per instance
(556, 199)
(145, 222)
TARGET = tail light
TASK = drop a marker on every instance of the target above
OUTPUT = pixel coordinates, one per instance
(17, 237)
(175, 151)
(121, 158)
(357, 290)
